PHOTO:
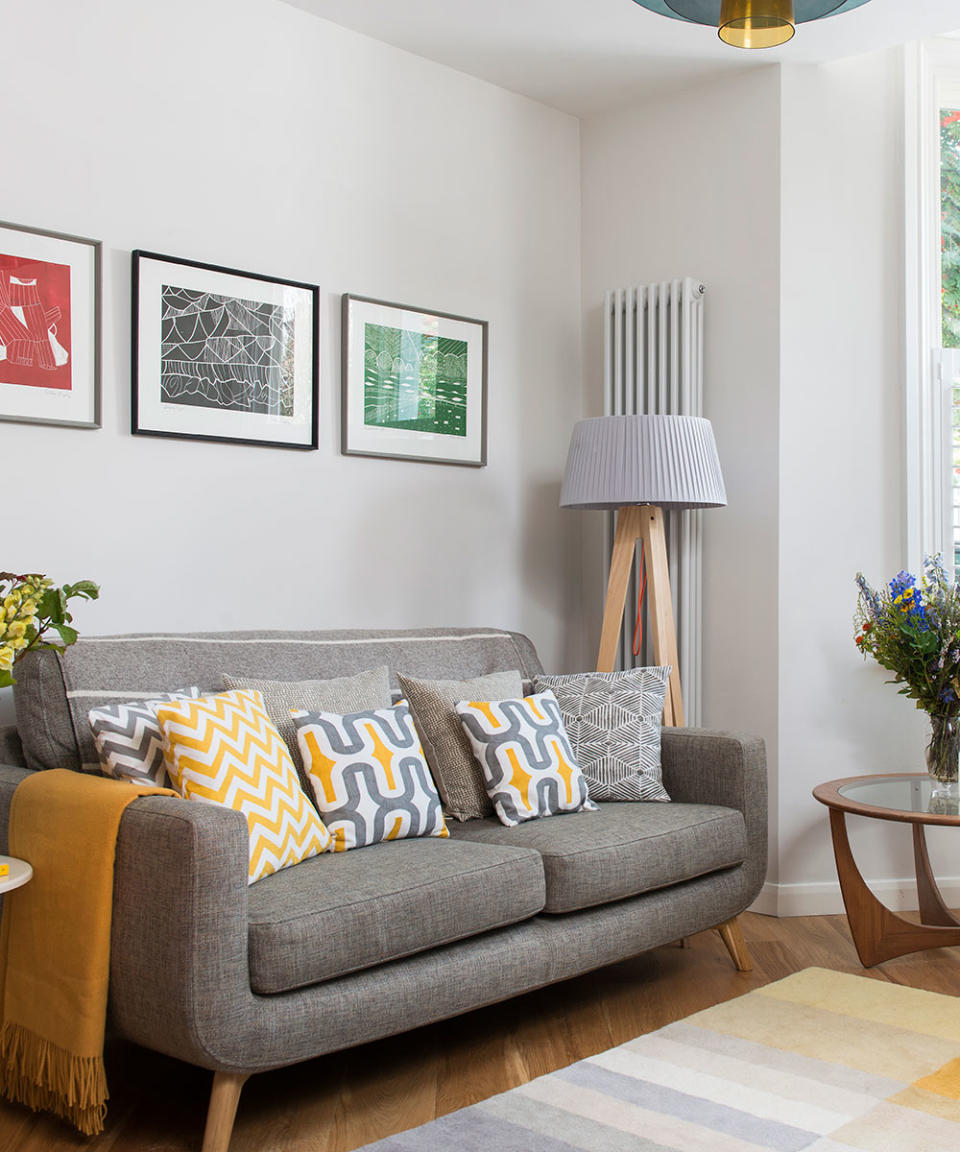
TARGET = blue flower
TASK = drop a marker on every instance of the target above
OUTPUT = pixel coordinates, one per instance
(870, 598)
(900, 583)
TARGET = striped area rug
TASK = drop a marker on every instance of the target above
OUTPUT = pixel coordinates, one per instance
(819, 1061)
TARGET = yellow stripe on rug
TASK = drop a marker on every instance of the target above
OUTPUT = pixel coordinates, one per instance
(818, 1062)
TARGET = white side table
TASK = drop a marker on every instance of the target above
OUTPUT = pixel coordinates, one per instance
(20, 872)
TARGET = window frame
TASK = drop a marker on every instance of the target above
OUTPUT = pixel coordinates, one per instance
(931, 82)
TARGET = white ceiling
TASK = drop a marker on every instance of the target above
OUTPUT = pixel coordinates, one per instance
(584, 56)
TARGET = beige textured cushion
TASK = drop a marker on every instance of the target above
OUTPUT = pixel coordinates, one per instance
(457, 774)
(360, 693)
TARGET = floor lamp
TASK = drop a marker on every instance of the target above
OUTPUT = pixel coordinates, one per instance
(643, 466)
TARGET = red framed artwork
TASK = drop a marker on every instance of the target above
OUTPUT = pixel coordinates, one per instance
(49, 328)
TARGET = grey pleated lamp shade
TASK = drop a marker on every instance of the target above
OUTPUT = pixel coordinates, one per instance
(670, 461)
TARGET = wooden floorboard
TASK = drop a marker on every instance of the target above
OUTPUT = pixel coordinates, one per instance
(337, 1103)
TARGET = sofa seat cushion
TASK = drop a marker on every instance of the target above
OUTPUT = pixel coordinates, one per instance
(342, 912)
(591, 858)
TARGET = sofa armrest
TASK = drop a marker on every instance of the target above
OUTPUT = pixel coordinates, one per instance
(701, 766)
(11, 747)
(10, 777)
(179, 936)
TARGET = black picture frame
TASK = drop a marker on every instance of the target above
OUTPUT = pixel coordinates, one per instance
(73, 308)
(241, 370)
(396, 439)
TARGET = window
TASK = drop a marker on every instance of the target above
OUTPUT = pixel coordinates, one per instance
(949, 187)
(932, 333)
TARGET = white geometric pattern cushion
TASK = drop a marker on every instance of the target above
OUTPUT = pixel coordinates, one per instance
(128, 740)
(369, 776)
(613, 721)
(224, 750)
(528, 764)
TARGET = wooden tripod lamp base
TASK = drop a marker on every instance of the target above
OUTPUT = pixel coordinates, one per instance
(643, 522)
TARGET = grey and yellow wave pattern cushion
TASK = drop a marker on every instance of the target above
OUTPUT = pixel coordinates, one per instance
(449, 753)
(613, 720)
(369, 778)
(128, 738)
(359, 693)
(528, 765)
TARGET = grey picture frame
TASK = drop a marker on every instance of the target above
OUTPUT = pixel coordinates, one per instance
(90, 394)
(394, 443)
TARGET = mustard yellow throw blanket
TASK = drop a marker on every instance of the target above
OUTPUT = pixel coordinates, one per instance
(55, 943)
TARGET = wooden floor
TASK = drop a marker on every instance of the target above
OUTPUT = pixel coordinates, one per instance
(337, 1103)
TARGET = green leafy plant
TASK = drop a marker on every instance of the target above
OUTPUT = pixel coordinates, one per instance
(32, 610)
(913, 630)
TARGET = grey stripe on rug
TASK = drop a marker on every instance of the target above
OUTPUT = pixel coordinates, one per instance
(818, 1062)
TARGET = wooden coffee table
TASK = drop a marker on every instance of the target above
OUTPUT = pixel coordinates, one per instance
(877, 933)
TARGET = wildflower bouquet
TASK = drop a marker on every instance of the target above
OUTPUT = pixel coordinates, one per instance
(30, 609)
(914, 631)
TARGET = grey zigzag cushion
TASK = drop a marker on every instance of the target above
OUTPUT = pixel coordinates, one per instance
(613, 721)
(128, 738)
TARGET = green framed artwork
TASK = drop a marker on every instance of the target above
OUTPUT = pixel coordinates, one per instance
(414, 384)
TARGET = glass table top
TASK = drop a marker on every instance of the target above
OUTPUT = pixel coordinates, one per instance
(905, 794)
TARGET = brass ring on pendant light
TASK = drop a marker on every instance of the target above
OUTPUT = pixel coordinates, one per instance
(756, 23)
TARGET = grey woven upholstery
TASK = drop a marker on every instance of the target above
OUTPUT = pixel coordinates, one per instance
(622, 850)
(189, 949)
(341, 912)
(53, 693)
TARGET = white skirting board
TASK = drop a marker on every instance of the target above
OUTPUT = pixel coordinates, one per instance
(825, 899)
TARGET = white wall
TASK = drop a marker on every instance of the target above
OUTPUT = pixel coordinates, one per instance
(691, 186)
(841, 465)
(250, 134)
(782, 189)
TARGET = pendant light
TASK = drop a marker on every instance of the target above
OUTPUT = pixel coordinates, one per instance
(751, 23)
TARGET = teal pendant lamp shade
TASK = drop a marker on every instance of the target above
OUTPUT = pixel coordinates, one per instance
(751, 23)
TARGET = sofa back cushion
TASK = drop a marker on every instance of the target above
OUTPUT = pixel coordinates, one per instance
(54, 694)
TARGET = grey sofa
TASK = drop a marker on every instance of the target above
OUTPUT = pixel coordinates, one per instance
(347, 948)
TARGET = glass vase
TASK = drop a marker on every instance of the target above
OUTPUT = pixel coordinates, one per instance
(943, 752)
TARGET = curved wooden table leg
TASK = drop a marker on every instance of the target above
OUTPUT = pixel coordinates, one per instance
(877, 933)
(933, 910)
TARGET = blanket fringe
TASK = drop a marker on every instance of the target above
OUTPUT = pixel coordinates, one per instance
(46, 1077)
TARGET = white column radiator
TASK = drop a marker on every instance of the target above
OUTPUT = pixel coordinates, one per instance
(653, 364)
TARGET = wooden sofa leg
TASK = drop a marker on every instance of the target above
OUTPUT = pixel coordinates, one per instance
(732, 937)
(224, 1098)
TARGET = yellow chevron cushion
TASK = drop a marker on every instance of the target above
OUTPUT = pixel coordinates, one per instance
(224, 750)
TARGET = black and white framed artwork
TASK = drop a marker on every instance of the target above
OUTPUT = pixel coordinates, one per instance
(220, 354)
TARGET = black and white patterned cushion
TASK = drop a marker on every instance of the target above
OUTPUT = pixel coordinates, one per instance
(128, 738)
(613, 720)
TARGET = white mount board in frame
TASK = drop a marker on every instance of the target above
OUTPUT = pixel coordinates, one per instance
(232, 385)
(372, 425)
(71, 324)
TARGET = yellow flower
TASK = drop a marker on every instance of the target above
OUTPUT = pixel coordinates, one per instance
(6, 658)
(16, 630)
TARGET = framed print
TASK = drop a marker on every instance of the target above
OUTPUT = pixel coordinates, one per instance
(223, 355)
(414, 384)
(49, 328)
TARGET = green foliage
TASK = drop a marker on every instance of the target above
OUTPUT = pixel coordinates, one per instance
(950, 226)
(30, 608)
(914, 632)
